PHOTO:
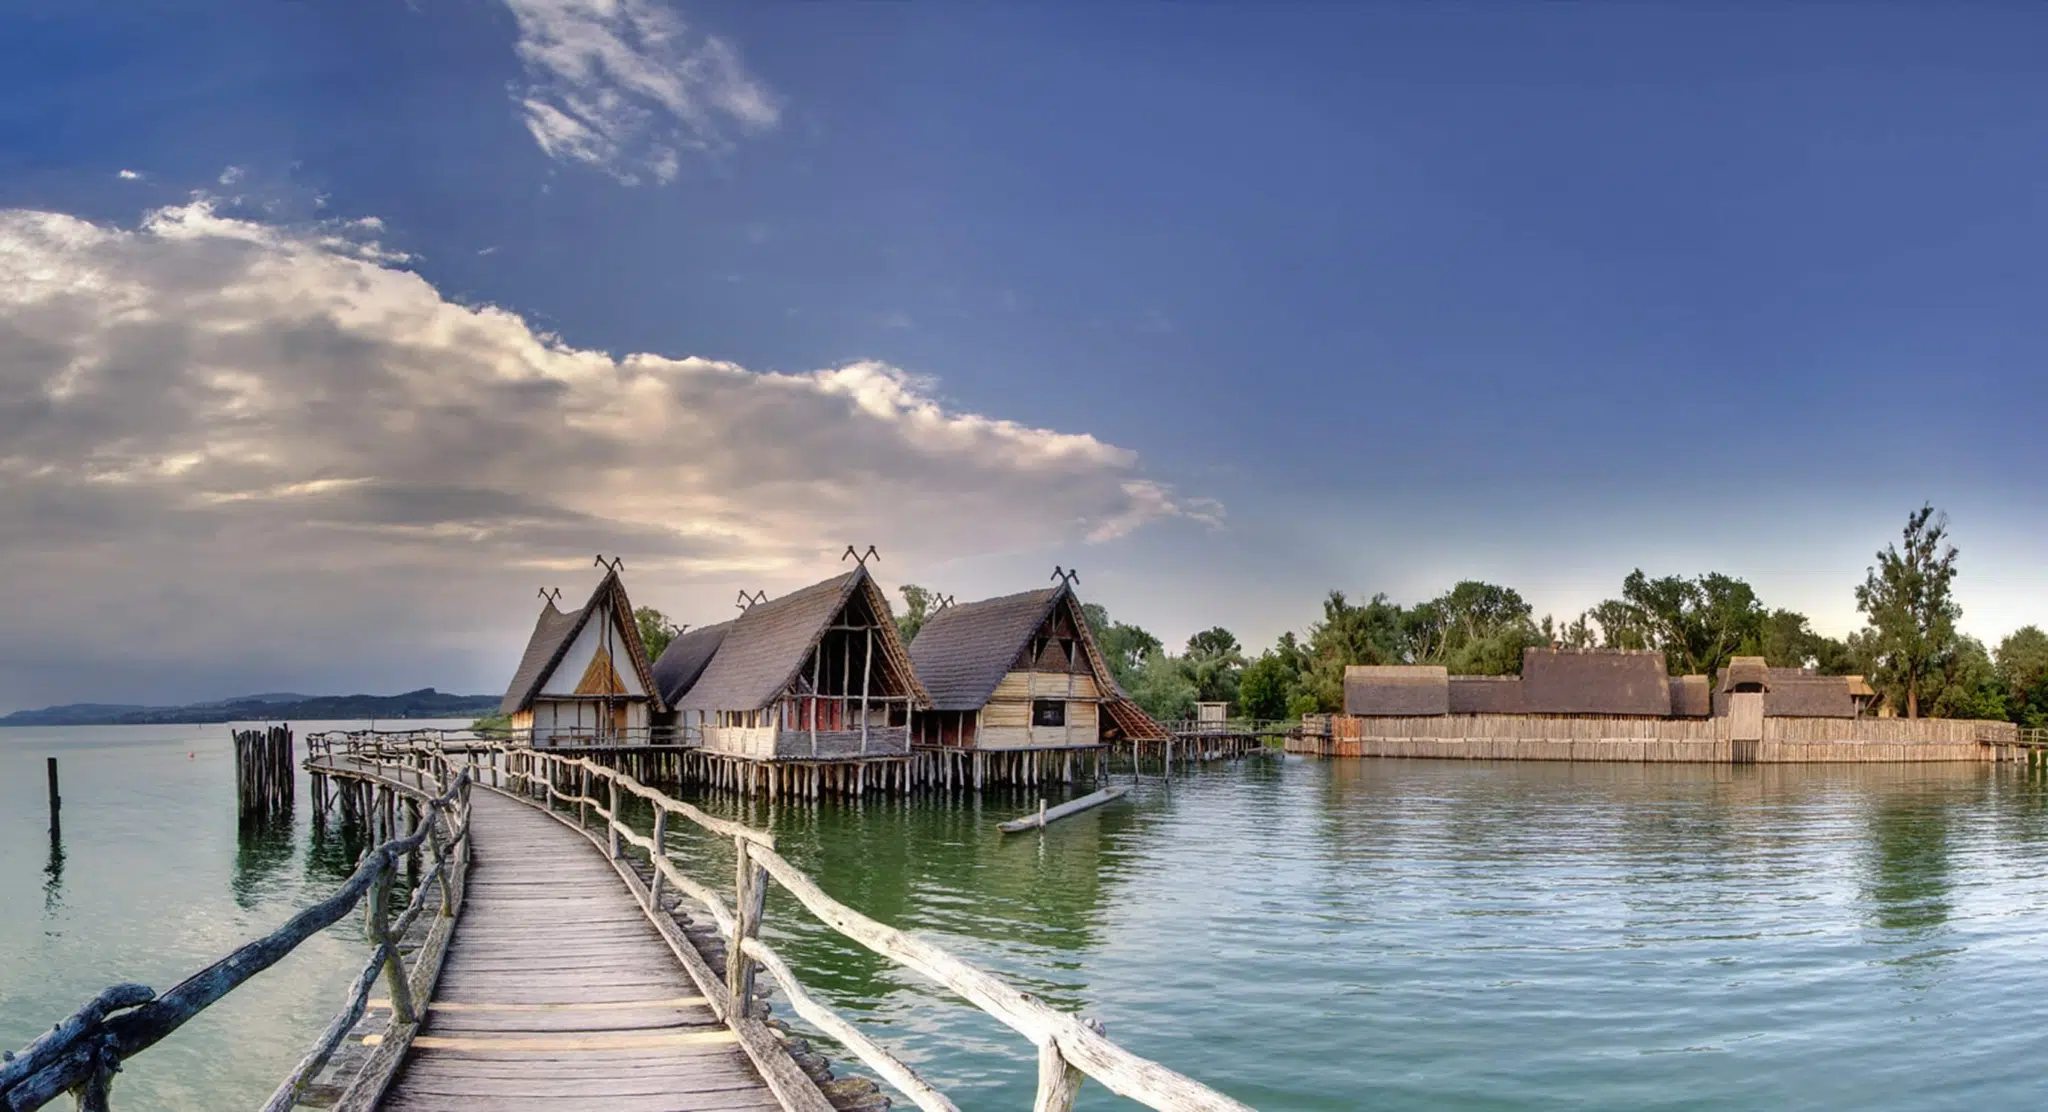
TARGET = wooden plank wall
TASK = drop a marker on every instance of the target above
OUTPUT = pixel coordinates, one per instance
(1548, 738)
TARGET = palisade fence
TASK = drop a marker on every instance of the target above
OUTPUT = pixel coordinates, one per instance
(82, 1054)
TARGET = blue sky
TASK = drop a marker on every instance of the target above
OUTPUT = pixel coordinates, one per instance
(1368, 297)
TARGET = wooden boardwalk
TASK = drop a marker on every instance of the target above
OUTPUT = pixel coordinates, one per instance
(558, 992)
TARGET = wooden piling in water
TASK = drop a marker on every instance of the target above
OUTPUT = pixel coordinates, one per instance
(265, 783)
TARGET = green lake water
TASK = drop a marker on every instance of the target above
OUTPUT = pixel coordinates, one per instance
(1300, 934)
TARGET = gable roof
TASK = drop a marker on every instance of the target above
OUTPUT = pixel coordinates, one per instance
(551, 635)
(555, 630)
(760, 652)
(1399, 690)
(1745, 671)
(1691, 697)
(1616, 682)
(1482, 695)
(1795, 692)
(683, 662)
(964, 650)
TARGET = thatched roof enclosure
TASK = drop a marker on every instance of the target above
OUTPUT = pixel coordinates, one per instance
(1396, 690)
(1595, 682)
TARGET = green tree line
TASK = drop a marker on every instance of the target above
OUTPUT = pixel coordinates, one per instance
(1909, 649)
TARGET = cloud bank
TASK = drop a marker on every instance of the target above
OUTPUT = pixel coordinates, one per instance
(625, 86)
(222, 439)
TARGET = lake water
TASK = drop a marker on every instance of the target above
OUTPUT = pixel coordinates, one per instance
(1300, 934)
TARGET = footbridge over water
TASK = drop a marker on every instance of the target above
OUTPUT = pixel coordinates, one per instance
(552, 955)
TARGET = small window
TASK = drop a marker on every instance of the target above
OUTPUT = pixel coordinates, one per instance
(1048, 712)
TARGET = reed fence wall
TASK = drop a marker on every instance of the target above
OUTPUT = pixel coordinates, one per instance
(1532, 737)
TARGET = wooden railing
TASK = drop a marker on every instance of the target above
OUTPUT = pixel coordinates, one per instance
(1237, 727)
(1068, 1046)
(565, 737)
(82, 1054)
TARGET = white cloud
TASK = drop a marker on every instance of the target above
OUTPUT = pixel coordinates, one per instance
(129, 175)
(223, 437)
(626, 86)
(231, 175)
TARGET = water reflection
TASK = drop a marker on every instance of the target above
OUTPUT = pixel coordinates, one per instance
(1907, 870)
(263, 848)
(336, 845)
(933, 864)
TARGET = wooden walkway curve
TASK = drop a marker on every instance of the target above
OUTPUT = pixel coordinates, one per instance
(559, 969)
(558, 993)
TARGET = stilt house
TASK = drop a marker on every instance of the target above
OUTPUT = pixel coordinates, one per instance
(584, 678)
(817, 673)
(1021, 672)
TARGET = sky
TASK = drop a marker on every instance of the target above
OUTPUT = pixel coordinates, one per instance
(331, 333)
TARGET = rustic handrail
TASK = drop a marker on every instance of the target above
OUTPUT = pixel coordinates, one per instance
(83, 1053)
(1068, 1045)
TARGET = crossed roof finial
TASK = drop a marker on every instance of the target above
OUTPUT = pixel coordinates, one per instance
(1066, 575)
(748, 599)
(551, 594)
(861, 558)
(615, 564)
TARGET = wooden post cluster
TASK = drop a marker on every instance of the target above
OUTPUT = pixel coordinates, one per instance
(265, 773)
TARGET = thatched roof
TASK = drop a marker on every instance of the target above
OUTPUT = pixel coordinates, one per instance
(763, 649)
(1595, 681)
(1746, 673)
(1691, 697)
(1485, 694)
(1809, 696)
(1794, 692)
(1396, 690)
(685, 659)
(964, 650)
(555, 630)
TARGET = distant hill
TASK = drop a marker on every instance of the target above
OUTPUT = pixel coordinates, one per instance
(285, 706)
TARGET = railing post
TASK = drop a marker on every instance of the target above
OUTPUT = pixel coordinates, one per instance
(1059, 1083)
(95, 1092)
(660, 850)
(582, 793)
(442, 858)
(378, 919)
(749, 897)
(612, 827)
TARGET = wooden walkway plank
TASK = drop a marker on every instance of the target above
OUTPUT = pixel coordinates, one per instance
(559, 994)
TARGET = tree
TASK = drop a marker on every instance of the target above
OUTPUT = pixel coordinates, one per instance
(1163, 688)
(1213, 662)
(1474, 628)
(917, 607)
(1347, 635)
(656, 631)
(1698, 623)
(1215, 641)
(1124, 647)
(2023, 670)
(1267, 684)
(1969, 684)
(1621, 626)
(1907, 597)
